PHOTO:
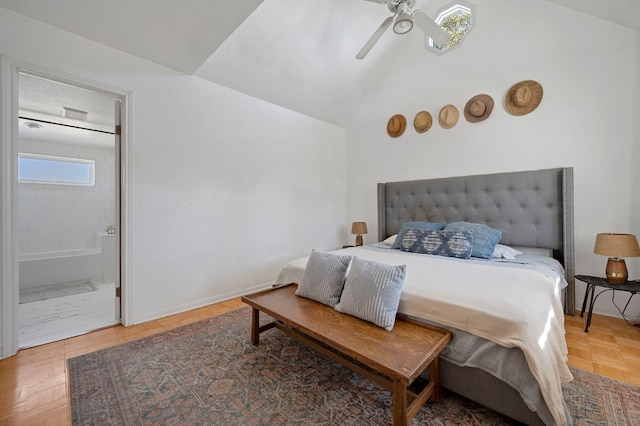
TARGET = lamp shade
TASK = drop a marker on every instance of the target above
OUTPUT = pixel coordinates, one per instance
(359, 228)
(617, 245)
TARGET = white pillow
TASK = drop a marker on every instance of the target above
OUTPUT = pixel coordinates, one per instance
(505, 252)
(389, 241)
(535, 251)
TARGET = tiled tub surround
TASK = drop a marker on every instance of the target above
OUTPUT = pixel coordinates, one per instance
(55, 217)
(96, 265)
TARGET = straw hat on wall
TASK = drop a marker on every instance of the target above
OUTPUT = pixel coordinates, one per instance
(422, 122)
(448, 116)
(523, 97)
(396, 125)
(478, 108)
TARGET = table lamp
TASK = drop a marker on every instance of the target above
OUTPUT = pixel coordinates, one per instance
(616, 246)
(359, 228)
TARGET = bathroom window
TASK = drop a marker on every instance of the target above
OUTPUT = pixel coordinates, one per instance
(34, 168)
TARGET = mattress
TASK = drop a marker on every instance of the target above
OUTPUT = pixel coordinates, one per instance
(495, 308)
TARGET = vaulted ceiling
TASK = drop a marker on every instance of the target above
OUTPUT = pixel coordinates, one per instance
(299, 54)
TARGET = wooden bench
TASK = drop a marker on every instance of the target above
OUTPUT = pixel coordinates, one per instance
(393, 359)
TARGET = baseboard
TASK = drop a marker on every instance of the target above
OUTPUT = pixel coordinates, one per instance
(200, 303)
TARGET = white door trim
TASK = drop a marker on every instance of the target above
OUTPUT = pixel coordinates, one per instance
(9, 207)
(9, 69)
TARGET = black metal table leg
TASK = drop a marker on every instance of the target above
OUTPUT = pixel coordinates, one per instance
(586, 295)
(586, 330)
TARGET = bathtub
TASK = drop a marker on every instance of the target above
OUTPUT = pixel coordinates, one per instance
(96, 264)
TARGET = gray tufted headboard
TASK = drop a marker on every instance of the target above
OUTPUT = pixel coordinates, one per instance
(535, 209)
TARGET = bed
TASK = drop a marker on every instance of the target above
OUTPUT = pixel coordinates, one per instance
(535, 211)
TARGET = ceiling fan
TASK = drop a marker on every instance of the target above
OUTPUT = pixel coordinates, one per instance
(405, 17)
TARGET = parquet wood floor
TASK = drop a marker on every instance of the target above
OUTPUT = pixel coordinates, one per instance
(611, 348)
(33, 384)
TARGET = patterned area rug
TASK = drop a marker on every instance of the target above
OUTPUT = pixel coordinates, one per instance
(209, 373)
(47, 292)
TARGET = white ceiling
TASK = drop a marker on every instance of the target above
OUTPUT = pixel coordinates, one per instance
(179, 34)
(299, 54)
(623, 12)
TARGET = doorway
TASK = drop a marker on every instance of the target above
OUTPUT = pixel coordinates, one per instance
(68, 213)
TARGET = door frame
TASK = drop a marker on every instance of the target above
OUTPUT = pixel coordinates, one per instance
(9, 247)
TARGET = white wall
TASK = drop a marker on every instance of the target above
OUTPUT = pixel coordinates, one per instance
(587, 119)
(226, 188)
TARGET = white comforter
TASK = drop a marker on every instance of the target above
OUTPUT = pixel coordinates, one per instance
(509, 304)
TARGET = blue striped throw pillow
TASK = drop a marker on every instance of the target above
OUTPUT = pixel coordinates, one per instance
(372, 292)
(323, 278)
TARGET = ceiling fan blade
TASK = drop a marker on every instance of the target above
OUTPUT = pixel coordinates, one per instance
(374, 38)
(430, 28)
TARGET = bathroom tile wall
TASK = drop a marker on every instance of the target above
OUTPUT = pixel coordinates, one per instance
(66, 217)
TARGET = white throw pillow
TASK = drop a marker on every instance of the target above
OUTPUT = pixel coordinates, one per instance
(505, 252)
(390, 240)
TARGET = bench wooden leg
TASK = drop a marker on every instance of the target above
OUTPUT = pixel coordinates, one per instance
(434, 376)
(400, 402)
(255, 326)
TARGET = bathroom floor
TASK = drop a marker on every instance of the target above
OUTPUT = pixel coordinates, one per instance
(63, 317)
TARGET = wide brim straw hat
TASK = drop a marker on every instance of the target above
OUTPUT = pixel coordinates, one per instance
(523, 97)
(478, 108)
(448, 116)
(422, 121)
(396, 125)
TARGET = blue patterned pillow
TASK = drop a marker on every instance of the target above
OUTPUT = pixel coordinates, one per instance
(415, 225)
(372, 292)
(485, 237)
(323, 278)
(443, 243)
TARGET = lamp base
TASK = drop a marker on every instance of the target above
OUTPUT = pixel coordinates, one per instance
(359, 241)
(617, 270)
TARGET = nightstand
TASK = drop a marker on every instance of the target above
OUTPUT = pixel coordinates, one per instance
(631, 287)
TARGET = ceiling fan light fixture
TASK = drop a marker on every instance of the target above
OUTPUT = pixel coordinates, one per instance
(403, 23)
(403, 20)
